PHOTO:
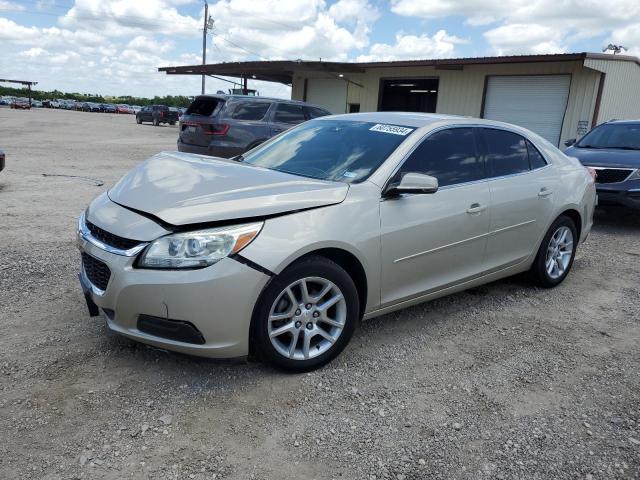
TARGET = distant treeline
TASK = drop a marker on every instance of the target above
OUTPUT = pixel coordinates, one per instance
(169, 100)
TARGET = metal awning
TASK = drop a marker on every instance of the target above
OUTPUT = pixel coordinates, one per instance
(271, 71)
(283, 70)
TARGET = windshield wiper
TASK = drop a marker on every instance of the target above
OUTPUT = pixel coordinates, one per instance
(237, 158)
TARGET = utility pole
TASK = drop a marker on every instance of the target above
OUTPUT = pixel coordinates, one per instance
(204, 39)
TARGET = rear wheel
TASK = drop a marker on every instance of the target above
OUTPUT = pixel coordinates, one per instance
(172, 123)
(306, 316)
(556, 253)
(156, 123)
(138, 120)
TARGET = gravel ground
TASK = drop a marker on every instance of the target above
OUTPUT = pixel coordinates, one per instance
(504, 381)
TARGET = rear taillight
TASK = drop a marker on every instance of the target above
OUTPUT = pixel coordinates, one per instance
(161, 113)
(216, 129)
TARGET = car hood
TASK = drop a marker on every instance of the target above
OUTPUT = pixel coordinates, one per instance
(181, 189)
(605, 157)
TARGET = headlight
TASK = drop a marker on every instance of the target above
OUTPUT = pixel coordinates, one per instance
(200, 248)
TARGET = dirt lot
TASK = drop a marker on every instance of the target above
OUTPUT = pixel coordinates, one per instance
(504, 381)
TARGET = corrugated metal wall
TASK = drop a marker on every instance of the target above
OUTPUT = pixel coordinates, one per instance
(621, 92)
(461, 91)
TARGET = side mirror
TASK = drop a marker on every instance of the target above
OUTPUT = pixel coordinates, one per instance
(569, 142)
(413, 183)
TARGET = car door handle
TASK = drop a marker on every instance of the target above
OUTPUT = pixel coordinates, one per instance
(545, 192)
(476, 208)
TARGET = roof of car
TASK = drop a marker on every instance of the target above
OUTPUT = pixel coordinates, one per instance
(411, 119)
(258, 98)
(624, 121)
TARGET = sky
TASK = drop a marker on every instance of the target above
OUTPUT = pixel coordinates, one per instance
(114, 47)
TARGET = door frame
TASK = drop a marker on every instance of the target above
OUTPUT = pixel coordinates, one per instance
(409, 77)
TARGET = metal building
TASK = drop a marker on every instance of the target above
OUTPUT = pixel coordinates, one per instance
(559, 96)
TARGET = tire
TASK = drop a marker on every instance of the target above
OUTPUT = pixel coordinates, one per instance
(138, 120)
(156, 123)
(297, 322)
(172, 123)
(554, 261)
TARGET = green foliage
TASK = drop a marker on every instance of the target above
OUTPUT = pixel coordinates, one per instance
(169, 100)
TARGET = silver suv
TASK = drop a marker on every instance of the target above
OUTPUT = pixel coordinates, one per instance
(229, 125)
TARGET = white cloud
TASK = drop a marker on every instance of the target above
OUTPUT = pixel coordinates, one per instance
(519, 38)
(410, 47)
(524, 26)
(305, 29)
(122, 17)
(150, 45)
(628, 37)
(10, 6)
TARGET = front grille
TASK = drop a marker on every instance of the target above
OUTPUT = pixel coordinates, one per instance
(96, 271)
(612, 175)
(111, 239)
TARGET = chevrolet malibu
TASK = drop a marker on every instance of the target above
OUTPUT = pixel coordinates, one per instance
(281, 252)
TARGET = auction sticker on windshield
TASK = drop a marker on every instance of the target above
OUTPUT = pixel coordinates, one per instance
(404, 131)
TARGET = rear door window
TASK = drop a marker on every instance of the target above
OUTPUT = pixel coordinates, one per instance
(506, 152)
(203, 106)
(536, 160)
(289, 113)
(449, 155)
(250, 111)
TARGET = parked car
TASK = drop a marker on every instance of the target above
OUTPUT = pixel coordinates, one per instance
(612, 149)
(229, 125)
(283, 252)
(109, 108)
(2, 160)
(21, 104)
(157, 114)
(122, 108)
(134, 109)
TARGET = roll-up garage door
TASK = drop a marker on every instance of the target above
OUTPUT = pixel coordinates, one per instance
(328, 93)
(536, 102)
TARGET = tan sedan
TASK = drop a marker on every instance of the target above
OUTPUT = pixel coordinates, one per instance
(283, 251)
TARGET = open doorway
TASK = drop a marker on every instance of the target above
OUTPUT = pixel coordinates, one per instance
(408, 95)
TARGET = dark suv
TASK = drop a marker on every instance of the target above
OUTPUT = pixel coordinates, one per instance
(157, 114)
(613, 150)
(229, 125)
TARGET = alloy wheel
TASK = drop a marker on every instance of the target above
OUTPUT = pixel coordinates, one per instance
(307, 318)
(559, 252)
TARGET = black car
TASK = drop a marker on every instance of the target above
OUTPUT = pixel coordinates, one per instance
(613, 150)
(157, 114)
(107, 108)
(229, 125)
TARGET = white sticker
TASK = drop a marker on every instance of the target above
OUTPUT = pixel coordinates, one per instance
(404, 131)
(350, 174)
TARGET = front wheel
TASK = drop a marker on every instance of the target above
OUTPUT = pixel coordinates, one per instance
(556, 253)
(138, 120)
(306, 316)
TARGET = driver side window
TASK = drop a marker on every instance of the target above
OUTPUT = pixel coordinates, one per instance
(449, 155)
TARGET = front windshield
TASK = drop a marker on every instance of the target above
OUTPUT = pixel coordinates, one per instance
(340, 150)
(613, 135)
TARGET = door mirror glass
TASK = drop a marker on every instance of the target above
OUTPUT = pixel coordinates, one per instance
(413, 183)
(569, 142)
